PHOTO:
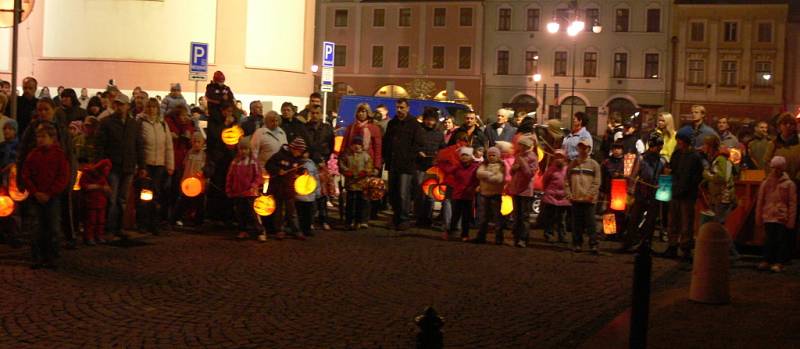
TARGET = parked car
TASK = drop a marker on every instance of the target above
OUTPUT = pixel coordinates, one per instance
(348, 104)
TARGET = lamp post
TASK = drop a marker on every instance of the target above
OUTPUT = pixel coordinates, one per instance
(575, 27)
(536, 78)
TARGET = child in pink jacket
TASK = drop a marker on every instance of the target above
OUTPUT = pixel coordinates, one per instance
(241, 185)
(554, 201)
(776, 209)
(520, 187)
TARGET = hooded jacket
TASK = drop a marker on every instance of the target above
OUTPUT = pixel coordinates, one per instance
(777, 201)
(156, 143)
(461, 179)
(553, 183)
(521, 184)
(492, 178)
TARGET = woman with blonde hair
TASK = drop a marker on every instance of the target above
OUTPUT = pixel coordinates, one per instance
(665, 125)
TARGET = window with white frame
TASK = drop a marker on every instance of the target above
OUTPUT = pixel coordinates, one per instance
(560, 66)
(465, 16)
(439, 16)
(438, 57)
(651, 66)
(592, 18)
(340, 18)
(377, 56)
(763, 73)
(533, 20)
(697, 31)
(653, 20)
(378, 17)
(531, 62)
(403, 56)
(697, 72)
(621, 19)
(728, 76)
(620, 65)
(765, 32)
(730, 31)
(404, 17)
(502, 62)
(340, 56)
(590, 64)
(465, 57)
(504, 19)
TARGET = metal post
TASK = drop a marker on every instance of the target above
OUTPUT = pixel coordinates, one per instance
(640, 309)
(14, 48)
(572, 94)
(325, 107)
(196, 102)
(536, 95)
(544, 101)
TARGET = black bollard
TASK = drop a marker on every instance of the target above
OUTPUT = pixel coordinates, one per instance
(430, 330)
(640, 309)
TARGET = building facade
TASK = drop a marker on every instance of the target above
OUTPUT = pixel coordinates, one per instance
(623, 68)
(383, 48)
(730, 57)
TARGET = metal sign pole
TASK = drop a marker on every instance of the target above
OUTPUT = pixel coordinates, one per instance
(14, 48)
(196, 102)
(324, 106)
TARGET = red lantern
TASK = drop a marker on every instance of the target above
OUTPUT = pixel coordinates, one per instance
(436, 172)
(428, 185)
(619, 194)
(438, 192)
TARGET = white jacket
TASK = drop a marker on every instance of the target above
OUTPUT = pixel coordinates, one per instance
(157, 143)
(266, 143)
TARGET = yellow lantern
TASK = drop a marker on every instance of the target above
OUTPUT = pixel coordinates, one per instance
(627, 163)
(77, 185)
(146, 195)
(506, 205)
(337, 144)
(609, 224)
(231, 135)
(13, 189)
(6, 206)
(192, 187)
(264, 205)
(736, 156)
(305, 184)
(539, 153)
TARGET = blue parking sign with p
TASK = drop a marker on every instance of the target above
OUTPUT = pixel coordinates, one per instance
(198, 62)
(328, 49)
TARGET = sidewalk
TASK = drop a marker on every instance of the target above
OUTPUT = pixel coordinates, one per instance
(764, 313)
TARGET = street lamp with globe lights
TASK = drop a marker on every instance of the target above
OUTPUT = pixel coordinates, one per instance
(574, 28)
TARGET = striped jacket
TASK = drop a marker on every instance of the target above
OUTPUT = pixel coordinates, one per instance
(583, 180)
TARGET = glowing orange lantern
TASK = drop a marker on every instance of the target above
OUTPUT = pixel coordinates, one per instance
(266, 183)
(427, 186)
(438, 192)
(437, 172)
(77, 185)
(305, 184)
(6, 206)
(609, 224)
(13, 189)
(735, 156)
(264, 205)
(192, 187)
(146, 195)
(337, 144)
(506, 205)
(619, 194)
(231, 135)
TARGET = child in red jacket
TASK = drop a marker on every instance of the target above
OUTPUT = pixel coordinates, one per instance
(45, 172)
(461, 181)
(241, 185)
(95, 192)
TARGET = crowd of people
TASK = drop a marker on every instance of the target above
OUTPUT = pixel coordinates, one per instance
(77, 158)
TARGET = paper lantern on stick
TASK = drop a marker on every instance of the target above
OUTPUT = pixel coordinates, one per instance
(337, 144)
(305, 184)
(436, 172)
(231, 135)
(735, 156)
(13, 189)
(609, 224)
(146, 195)
(664, 192)
(506, 205)
(427, 186)
(266, 183)
(619, 194)
(627, 163)
(77, 185)
(6, 206)
(438, 192)
(191, 187)
(264, 205)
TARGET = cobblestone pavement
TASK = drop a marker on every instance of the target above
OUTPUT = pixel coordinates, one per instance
(337, 290)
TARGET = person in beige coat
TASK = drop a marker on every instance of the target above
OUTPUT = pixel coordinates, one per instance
(491, 175)
(158, 163)
(582, 187)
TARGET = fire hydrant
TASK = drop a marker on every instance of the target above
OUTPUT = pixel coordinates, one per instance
(710, 271)
(430, 325)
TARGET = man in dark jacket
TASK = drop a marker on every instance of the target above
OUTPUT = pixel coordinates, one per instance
(686, 166)
(26, 104)
(320, 135)
(399, 155)
(119, 141)
(291, 125)
(427, 145)
(474, 136)
(501, 130)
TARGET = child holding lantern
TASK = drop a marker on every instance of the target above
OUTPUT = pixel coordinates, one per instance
(582, 187)
(9, 226)
(524, 168)
(491, 175)
(356, 165)
(242, 184)
(283, 169)
(461, 181)
(614, 168)
(194, 165)
(305, 203)
(649, 167)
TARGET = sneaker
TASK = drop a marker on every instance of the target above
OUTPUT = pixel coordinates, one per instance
(262, 237)
(363, 226)
(763, 266)
(576, 249)
(179, 223)
(521, 244)
(242, 235)
(325, 226)
(776, 268)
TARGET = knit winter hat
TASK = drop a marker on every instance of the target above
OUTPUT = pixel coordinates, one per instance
(778, 162)
(684, 134)
(12, 123)
(465, 151)
(503, 146)
(219, 77)
(493, 150)
(298, 144)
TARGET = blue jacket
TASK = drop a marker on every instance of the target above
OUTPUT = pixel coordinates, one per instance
(570, 144)
(700, 134)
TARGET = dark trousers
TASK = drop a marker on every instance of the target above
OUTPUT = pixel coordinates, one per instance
(305, 215)
(356, 208)
(522, 211)
(45, 228)
(285, 215)
(552, 219)
(246, 217)
(120, 184)
(321, 206)
(401, 192)
(190, 209)
(489, 216)
(151, 212)
(462, 211)
(681, 232)
(583, 223)
(779, 244)
(94, 222)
